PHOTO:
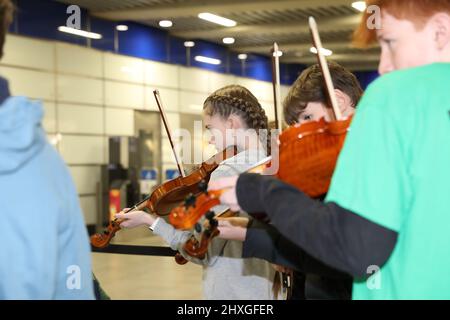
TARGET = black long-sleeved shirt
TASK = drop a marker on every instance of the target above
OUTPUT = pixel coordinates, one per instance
(339, 238)
(312, 279)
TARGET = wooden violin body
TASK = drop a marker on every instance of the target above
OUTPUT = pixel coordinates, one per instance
(168, 195)
(198, 249)
(186, 216)
(309, 152)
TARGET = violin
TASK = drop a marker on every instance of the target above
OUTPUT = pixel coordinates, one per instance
(185, 217)
(308, 153)
(171, 193)
(198, 249)
(307, 156)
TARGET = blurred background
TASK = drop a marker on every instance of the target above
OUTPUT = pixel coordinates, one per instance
(95, 64)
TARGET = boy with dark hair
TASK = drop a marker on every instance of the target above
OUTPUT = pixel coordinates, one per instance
(385, 220)
(307, 98)
(306, 101)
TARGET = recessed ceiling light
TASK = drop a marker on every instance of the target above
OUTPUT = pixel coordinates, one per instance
(325, 52)
(359, 5)
(165, 23)
(228, 40)
(242, 56)
(207, 60)
(189, 44)
(279, 53)
(122, 27)
(81, 33)
(217, 19)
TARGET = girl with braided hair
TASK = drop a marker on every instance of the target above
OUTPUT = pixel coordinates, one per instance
(233, 116)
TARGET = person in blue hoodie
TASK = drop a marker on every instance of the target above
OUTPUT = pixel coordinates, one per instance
(45, 252)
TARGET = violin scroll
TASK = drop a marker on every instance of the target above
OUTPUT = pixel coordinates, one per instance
(198, 249)
(102, 240)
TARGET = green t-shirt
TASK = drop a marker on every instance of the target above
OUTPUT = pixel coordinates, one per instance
(394, 170)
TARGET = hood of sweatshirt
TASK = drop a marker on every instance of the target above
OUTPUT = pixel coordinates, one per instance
(21, 133)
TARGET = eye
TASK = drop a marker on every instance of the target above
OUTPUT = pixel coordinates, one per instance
(307, 117)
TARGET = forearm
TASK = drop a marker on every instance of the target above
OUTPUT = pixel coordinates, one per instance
(339, 238)
(265, 242)
(176, 239)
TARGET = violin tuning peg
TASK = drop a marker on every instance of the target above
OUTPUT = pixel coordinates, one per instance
(189, 201)
(198, 227)
(214, 223)
(202, 186)
(210, 215)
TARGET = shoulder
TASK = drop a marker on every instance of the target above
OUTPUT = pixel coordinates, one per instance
(405, 82)
(240, 163)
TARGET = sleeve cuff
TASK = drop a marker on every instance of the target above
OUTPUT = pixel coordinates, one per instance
(154, 224)
(249, 201)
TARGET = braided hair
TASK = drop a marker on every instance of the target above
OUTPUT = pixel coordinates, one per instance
(238, 100)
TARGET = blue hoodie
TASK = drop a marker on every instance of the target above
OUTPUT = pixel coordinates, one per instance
(45, 252)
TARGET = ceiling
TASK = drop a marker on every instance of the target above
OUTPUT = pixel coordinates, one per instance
(259, 24)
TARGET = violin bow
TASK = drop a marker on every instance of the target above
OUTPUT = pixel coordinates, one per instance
(324, 67)
(276, 85)
(169, 134)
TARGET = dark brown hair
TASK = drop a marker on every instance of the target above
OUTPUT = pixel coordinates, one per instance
(310, 87)
(238, 100)
(6, 15)
(417, 11)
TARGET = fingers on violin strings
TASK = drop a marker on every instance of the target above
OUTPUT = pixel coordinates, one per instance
(125, 224)
(120, 215)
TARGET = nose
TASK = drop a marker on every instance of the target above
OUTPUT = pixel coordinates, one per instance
(386, 64)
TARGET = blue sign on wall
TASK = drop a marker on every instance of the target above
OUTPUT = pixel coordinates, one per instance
(148, 174)
(171, 174)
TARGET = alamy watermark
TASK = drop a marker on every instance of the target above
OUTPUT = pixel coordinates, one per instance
(374, 280)
(74, 20)
(73, 281)
(374, 17)
(258, 141)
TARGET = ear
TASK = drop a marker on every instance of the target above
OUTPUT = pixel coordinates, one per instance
(441, 28)
(234, 122)
(344, 101)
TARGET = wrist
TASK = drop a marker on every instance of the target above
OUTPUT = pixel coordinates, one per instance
(149, 220)
(155, 222)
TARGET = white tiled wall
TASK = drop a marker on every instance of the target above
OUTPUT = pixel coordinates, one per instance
(49, 116)
(77, 149)
(80, 119)
(161, 74)
(119, 122)
(39, 85)
(26, 52)
(124, 68)
(89, 95)
(78, 60)
(125, 95)
(85, 178)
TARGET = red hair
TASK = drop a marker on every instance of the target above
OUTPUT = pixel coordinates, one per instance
(417, 11)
